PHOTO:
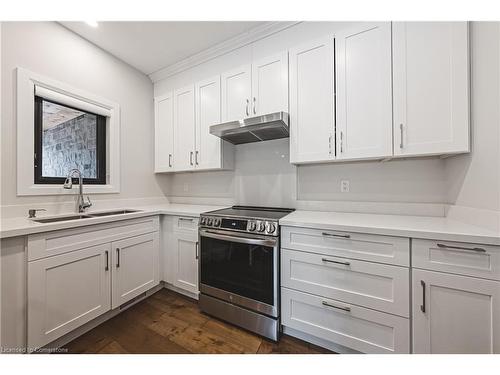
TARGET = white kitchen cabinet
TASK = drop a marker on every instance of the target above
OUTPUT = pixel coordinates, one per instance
(431, 88)
(270, 85)
(363, 91)
(236, 93)
(455, 314)
(211, 151)
(66, 291)
(184, 128)
(185, 258)
(164, 132)
(311, 96)
(135, 267)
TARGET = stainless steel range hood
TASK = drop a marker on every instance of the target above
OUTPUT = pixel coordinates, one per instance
(254, 129)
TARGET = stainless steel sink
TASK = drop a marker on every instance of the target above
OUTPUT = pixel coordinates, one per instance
(108, 213)
(83, 216)
(61, 218)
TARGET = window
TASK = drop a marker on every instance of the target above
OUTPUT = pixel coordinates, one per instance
(67, 138)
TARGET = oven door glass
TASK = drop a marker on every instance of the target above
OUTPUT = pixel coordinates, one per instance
(246, 269)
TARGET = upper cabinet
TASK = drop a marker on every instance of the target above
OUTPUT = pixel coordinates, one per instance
(256, 89)
(431, 88)
(364, 93)
(236, 93)
(312, 125)
(270, 85)
(184, 128)
(164, 132)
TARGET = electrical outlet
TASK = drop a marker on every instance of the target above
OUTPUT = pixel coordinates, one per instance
(344, 186)
(186, 188)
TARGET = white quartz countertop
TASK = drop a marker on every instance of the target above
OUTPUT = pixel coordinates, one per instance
(438, 228)
(21, 226)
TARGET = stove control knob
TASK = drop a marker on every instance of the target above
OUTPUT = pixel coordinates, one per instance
(209, 221)
(262, 227)
(252, 226)
(203, 220)
(216, 222)
(271, 228)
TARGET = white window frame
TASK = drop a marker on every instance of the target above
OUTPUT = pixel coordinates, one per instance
(26, 83)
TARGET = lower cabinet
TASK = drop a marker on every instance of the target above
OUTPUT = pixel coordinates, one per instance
(185, 258)
(455, 314)
(66, 291)
(135, 267)
(355, 327)
(93, 270)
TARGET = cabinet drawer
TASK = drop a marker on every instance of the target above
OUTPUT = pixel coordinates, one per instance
(43, 245)
(382, 249)
(376, 286)
(355, 327)
(457, 257)
(184, 223)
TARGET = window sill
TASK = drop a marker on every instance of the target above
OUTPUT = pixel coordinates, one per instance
(59, 190)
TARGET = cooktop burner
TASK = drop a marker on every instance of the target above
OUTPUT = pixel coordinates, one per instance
(252, 212)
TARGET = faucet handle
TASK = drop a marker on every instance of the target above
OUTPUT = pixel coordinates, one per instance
(88, 203)
(32, 212)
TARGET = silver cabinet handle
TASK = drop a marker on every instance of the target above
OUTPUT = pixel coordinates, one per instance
(336, 235)
(186, 218)
(107, 261)
(476, 249)
(335, 261)
(246, 108)
(191, 157)
(117, 257)
(170, 160)
(400, 135)
(341, 142)
(330, 144)
(197, 254)
(254, 106)
(422, 306)
(196, 157)
(324, 303)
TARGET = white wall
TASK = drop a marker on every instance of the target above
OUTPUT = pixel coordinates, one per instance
(263, 175)
(53, 51)
(473, 180)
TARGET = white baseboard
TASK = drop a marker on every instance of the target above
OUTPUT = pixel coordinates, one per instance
(180, 291)
(319, 342)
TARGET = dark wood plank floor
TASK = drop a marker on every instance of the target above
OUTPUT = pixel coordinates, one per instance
(170, 323)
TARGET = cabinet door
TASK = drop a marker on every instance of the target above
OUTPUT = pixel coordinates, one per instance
(312, 101)
(184, 128)
(164, 133)
(236, 93)
(208, 146)
(135, 267)
(186, 261)
(66, 291)
(431, 87)
(455, 314)
(364, 92)
(270, 85)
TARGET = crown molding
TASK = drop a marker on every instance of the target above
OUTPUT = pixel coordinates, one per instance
(249, 37)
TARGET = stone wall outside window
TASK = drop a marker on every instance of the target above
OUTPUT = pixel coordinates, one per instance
(71, 144)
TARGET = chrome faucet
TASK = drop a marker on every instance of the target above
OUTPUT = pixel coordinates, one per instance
(68, 184)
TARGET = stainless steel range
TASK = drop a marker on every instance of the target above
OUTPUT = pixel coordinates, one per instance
(239, 267)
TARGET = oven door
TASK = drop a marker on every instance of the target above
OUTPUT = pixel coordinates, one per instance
(240, 269)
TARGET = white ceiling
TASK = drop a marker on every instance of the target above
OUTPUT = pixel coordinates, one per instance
(151, 46)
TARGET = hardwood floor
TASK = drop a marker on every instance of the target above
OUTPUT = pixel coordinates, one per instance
(170, 323)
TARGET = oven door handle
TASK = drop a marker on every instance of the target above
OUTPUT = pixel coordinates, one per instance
(245, 240)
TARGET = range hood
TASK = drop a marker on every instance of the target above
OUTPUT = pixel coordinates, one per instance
(254, 129)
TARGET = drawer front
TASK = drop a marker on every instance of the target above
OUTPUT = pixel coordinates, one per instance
(355, 327)
(374, 248)
(373, 285)
(43, 245)
(185, 223)
(457, 257)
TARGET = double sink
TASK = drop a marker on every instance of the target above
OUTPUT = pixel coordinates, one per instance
(83, 216)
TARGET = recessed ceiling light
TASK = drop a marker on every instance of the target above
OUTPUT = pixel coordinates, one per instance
(92, 23)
